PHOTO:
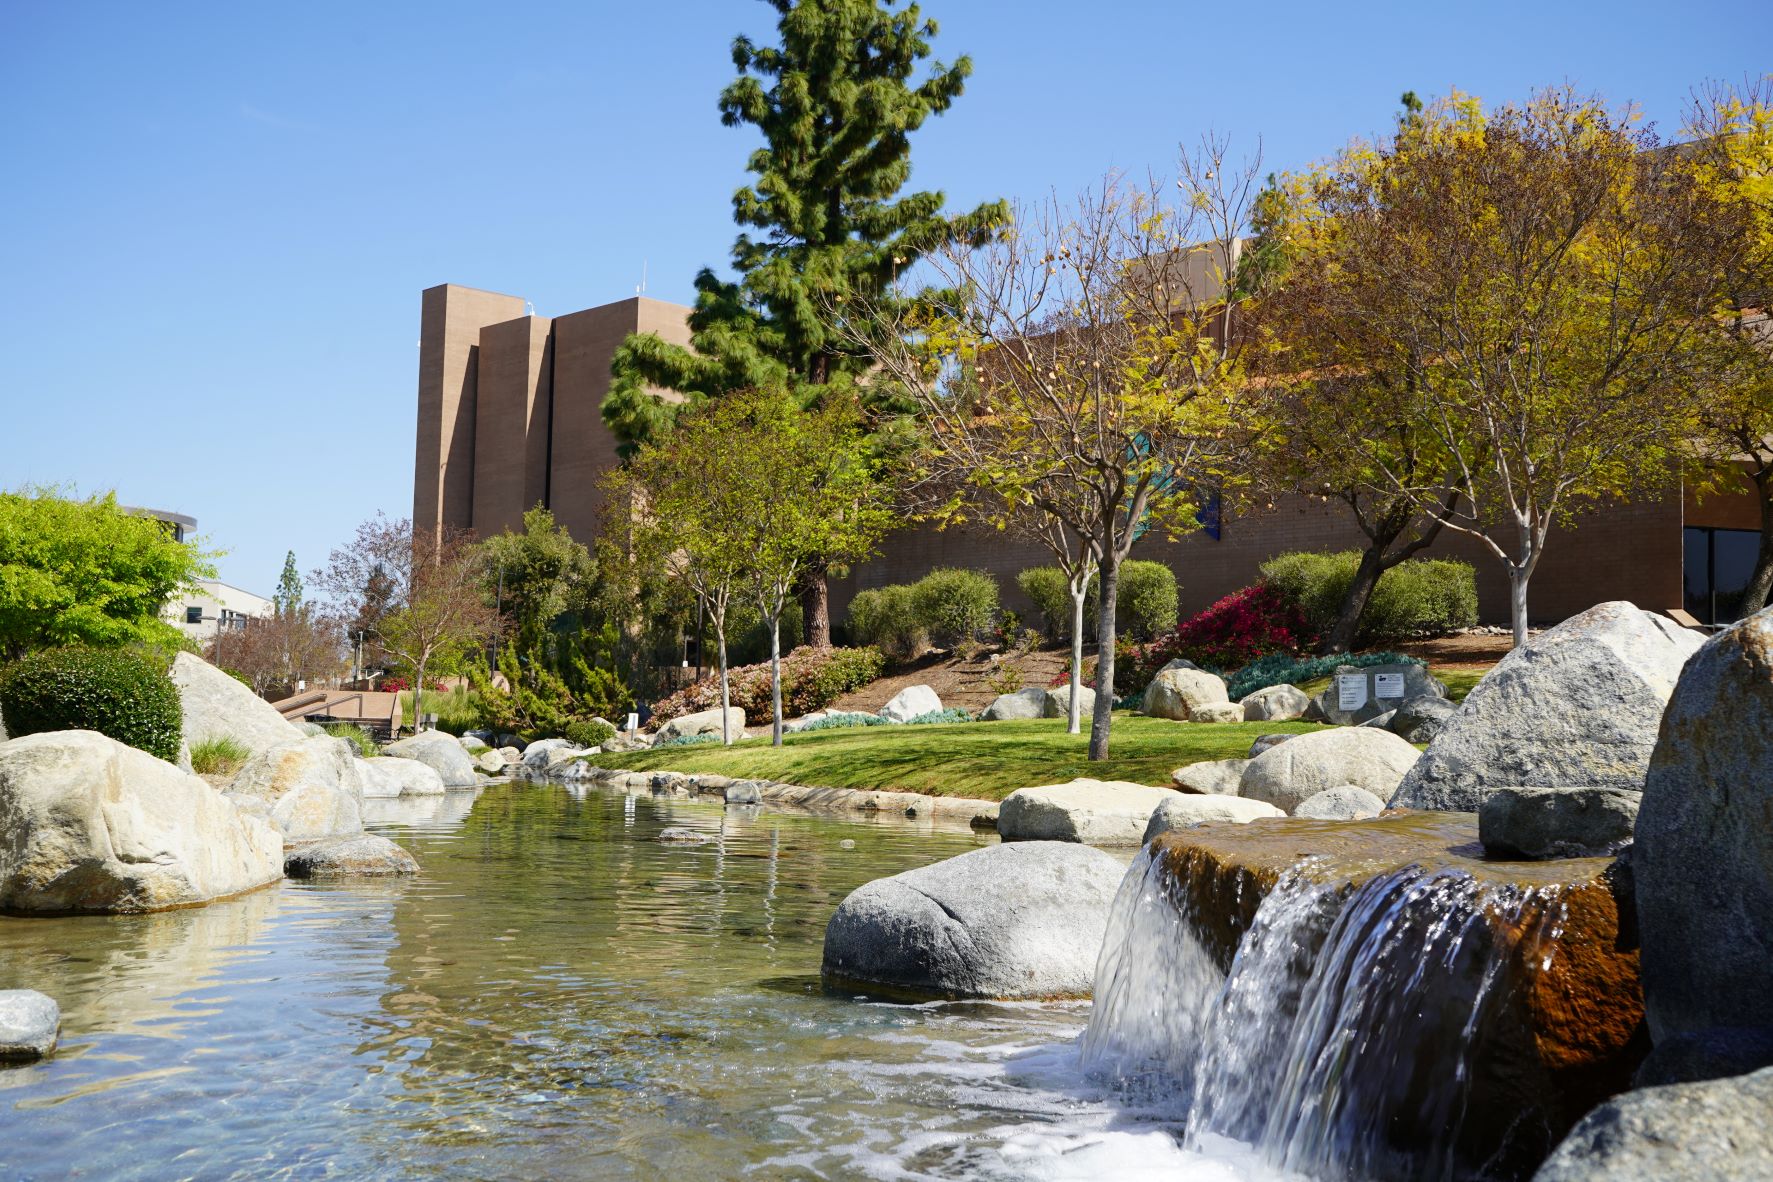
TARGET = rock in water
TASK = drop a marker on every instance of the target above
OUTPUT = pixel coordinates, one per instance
(1099, 812)
(1342, 803)
(390, 775)
(1006, 921)
(1022, 704)
(911, 702)
(1289, 774)
(680, 835)
(1181, 812)
(91, 825)
(1703, 856)
(306, 790)
(1576, 706)
(441, 753)
(1178, 688)
(30, 1022)
(1700, 1132)
(365, 855)
(1557, 822)
(215, 706)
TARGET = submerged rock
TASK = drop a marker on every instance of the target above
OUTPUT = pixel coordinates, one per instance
(1576, 706)
(1557, 822)
(1700, 1132)
(1006, 921)
(363, 855)
(1099, 812)
(680, 835)
(30, 1023)
(90, 825)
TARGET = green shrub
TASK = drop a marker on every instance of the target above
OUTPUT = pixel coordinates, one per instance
(1283, 669)
(1050, 592)
(1145, 601)
(116, 692)
(955, 605)
(589, 732)
(1418, 597)
(219, 755)
(886, 617)
(352, 734)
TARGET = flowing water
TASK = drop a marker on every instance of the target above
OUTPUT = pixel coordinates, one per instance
(557, 995)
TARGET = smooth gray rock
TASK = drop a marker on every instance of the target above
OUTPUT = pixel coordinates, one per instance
(1098, 812)
(1382, 721)
(1419, 720)
(308, 789)
(441, 753)
(1344, 802)
(310, 728)
(390, 775)
(88, 824)
(704, 722)
(488, 762)
(1058, 702)
(539, 754)
(1717, 1131)
(1178, 688)
(1577, 706)
(1023, 920)
(1288, 775)
(1417, 683)
(1023, 704)
(742, 792)
(1183, 812)
(1275, 703)
(1540, 823)
(1718, 1053)
(1212, 777)
(30, 1023)
(1703, 857)
(1217, 712)
(473, 744)
(215, 706)
(363, 855)
(911, 702)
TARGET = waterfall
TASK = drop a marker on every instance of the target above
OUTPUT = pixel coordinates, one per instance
(1339, 1042)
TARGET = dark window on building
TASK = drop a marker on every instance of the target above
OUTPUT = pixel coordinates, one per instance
(193, 615)
(1718, 564)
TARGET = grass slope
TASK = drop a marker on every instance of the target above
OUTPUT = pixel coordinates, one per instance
(983, 760)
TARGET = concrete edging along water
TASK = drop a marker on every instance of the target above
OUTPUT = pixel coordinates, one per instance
(980, 814)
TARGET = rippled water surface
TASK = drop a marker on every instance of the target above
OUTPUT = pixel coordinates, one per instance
(557, 995)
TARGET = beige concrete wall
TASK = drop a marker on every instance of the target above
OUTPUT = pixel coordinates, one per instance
(451, 318)
(511, 422)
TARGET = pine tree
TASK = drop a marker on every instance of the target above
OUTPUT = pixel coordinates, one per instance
(289, 594)
(836, 102)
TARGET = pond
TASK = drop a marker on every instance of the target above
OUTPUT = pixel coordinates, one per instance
(558, 995)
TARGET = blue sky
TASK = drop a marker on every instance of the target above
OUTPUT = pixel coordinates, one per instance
(217, 219)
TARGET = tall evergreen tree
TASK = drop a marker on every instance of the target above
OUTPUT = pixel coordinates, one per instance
(836, 102)
(289, 587)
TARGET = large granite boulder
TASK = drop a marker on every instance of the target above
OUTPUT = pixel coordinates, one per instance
(1703, 857)
(1058, 702)
(1291, 773)
(913, 701)
(537, 755)
(1096, 812)
(1557, 822)
(90, 825)
(1021, 705)
(362, 855)
(1007, 921)
(705, 722)
(1576, 706)
(1699, 1132)
(1178, 688)
(390, 775)
(1419, 720)
(306, 789)
(1211, 777)
(441, 753)
(1345, 802)
(30, 1023)
(1699, 1055)
(1275, 703)
(1182, 812)
(216, 707)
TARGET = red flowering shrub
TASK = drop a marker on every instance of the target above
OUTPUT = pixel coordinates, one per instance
(1251, 623)
(812, 679)
(399, 685)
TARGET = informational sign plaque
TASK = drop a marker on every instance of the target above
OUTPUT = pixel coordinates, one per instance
(1351, 691)
(1388, 685)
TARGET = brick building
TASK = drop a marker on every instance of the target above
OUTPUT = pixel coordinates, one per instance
(509, 417)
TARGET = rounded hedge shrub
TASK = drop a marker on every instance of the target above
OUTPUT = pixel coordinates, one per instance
(955, 605)
(886, 617)
(1418, 597)
(117, 692)
(589, 732)
(1145, 600)
(1050, 592)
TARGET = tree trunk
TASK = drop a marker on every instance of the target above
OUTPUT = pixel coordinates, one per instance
(1354, 600)
(1517, 595)
(815, 605)
(725, 700)
(418, 689)
(1074, 716)
(776, 678)
(1760, 584)
(1103, 716)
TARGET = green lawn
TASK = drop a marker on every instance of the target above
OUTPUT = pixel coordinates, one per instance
(984, 760)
